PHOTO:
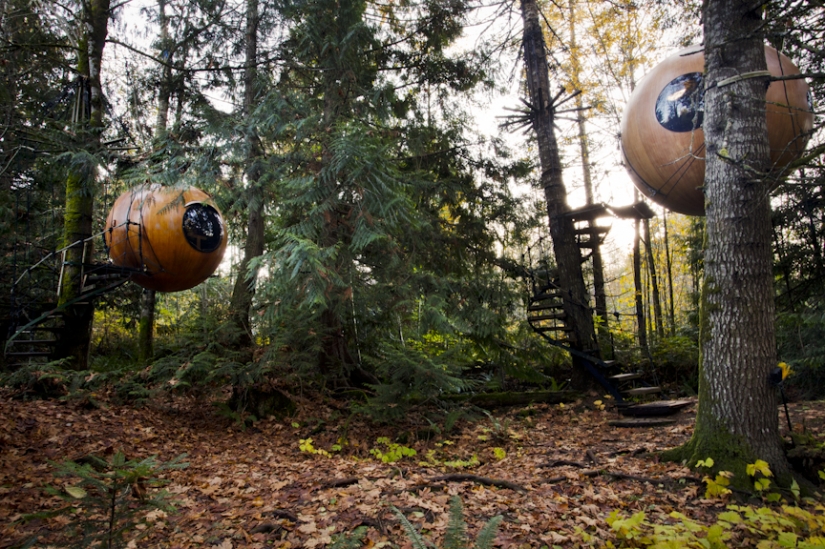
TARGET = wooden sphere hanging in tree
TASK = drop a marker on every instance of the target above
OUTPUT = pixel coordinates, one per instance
(662, 139)
(175, 237)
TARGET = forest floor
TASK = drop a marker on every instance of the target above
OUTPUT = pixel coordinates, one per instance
(554, 472)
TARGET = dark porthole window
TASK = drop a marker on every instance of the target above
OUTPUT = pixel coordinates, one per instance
(202, 227)
(681, 104)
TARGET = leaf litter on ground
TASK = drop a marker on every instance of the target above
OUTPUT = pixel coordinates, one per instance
(557, 473)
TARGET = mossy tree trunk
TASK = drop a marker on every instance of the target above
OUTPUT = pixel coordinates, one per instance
(568, 256)
(81, 181)
(737, 420)
(244, 289)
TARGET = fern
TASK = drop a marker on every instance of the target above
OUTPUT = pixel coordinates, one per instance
(412, 534)
(456, 536)
(487, 535)
(350, 540)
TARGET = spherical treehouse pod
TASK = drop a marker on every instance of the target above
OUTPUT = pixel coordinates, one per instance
(662, 139)
(175, 237)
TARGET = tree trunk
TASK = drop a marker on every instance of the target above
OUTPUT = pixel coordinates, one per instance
(584, 147)
(736, 421)
(669, 266)
(146, 322)
(146, 326)
(80, 185)
(566, 250)
(244, 289)
(654, 283)
(641, 322)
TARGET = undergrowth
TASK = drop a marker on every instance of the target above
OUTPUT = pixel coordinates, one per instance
(769, 526)
(107, 500)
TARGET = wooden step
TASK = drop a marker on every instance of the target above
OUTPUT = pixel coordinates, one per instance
(545, 307)
(556, 316)
(547, 295)
(588, 245)
(542, 329)
(596, 229)
(110, 277)
(19, 341)
(656, 408)
(627, 377)
(41, 328)
(30, 354)
(638, 391)
(641, 422)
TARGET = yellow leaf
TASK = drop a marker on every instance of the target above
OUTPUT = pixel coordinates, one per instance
(75, 492)
(762, 484)
(761, 467)
(705, 463)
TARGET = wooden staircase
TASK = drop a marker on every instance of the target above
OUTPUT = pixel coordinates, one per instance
(545, 314)
(37, 321)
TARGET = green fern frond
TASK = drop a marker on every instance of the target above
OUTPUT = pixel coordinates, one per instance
(349, 540)
(413, 535)
(487, 535)
(456, 537)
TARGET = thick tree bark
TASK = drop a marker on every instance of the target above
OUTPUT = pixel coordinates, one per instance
(737, 419)
(80, 185)
(568, 256)
(244, 289)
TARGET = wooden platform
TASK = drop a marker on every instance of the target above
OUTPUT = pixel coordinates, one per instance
(656, 408)
(642, 422)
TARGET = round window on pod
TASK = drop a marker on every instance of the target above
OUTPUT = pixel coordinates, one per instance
(175, 237)
(662, 139)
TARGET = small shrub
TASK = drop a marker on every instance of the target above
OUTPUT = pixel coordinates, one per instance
(109, 498)
(392, 451)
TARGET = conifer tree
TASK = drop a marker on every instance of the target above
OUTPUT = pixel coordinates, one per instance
(382, 271)
(736, 422)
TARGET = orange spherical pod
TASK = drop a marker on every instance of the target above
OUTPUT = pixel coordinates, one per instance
(662, 139)
(175, 237)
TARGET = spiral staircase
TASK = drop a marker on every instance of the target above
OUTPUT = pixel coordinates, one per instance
(627, 384)
(36, 319)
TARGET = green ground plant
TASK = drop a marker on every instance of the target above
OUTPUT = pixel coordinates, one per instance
(107, 499)
(456, 536)
(766, 527)
(391, 451)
